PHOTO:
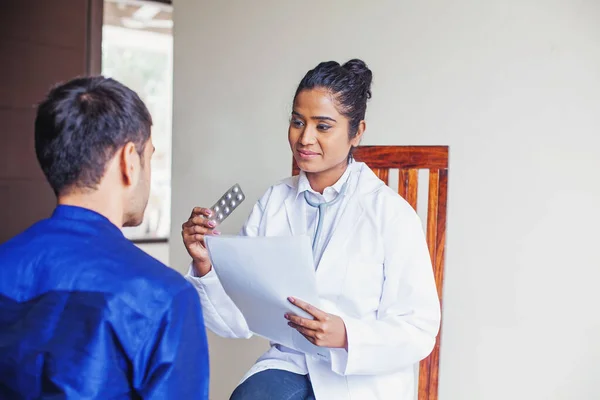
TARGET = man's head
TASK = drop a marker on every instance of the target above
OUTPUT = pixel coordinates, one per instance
(92, 135)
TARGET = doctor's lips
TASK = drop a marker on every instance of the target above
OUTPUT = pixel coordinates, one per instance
(306, 154)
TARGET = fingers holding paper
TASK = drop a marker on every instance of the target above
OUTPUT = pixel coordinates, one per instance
(325, 330)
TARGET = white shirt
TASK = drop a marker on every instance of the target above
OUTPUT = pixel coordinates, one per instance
(330, 212)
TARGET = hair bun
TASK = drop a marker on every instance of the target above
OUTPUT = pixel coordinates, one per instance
(360, 69)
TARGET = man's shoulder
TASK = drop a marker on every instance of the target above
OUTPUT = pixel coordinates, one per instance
(73, 262)
(144, 272)
(136, 281)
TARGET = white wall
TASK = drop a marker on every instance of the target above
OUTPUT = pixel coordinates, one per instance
(512, 86)
(160, 251)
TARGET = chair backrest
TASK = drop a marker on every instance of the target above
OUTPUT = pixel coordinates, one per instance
(408, 160)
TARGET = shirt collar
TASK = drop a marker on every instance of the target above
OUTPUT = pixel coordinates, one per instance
(330, 192)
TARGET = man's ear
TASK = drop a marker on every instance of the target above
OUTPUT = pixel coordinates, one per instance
(130, 164)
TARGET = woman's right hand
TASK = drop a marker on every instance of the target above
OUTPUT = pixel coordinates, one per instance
(193, 232)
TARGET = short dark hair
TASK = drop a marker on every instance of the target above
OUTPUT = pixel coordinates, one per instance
(350, 84)
(81, 124)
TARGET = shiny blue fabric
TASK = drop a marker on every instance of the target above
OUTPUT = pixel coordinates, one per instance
(85, 314)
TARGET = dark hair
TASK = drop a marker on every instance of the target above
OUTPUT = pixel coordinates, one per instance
(350, 84)
(81, 124)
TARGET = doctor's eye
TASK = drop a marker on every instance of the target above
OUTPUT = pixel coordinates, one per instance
(296, 123)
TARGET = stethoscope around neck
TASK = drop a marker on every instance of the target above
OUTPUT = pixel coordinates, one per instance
(321, 210)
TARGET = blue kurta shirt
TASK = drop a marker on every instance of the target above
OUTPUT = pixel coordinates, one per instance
(85, 314)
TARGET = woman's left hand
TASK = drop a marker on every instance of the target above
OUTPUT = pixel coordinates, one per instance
(326, 330)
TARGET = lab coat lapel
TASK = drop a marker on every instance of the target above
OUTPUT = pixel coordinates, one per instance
(295, 209)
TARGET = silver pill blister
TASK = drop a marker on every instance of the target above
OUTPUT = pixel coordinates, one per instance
(228, 202)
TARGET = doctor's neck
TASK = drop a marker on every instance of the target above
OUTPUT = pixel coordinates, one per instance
(324, 179)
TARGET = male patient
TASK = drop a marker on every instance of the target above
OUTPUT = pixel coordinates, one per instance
(83, 312)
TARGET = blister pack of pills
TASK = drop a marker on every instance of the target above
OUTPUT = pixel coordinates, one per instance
(230, 200)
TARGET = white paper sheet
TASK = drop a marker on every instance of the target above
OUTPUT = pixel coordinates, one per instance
(259, 274)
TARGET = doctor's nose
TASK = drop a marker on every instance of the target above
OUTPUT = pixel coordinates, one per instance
(308, 137)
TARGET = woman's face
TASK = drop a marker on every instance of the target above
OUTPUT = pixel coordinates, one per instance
(318, 133)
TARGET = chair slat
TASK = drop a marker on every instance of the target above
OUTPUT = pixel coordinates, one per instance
(412, 187)
(402, 182)
(438, 266)
(383, 174)
(438, 189)
(432, 212)
(429, 374)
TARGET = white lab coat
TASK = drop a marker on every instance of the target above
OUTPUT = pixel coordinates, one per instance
(375, 273)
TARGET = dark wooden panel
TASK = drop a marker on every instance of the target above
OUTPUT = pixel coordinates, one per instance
(59, 23)
(94, 37)
(23, 203)
(29, 70)
(17, 153)
(42, 43)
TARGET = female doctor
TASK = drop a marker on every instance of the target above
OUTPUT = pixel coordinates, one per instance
(380, 312)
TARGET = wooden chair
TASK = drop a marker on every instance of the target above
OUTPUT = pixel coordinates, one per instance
(409, 160)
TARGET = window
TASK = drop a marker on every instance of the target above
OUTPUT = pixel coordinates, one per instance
(137, 50)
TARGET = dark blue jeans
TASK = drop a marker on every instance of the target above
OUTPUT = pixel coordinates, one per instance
(274, 384)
